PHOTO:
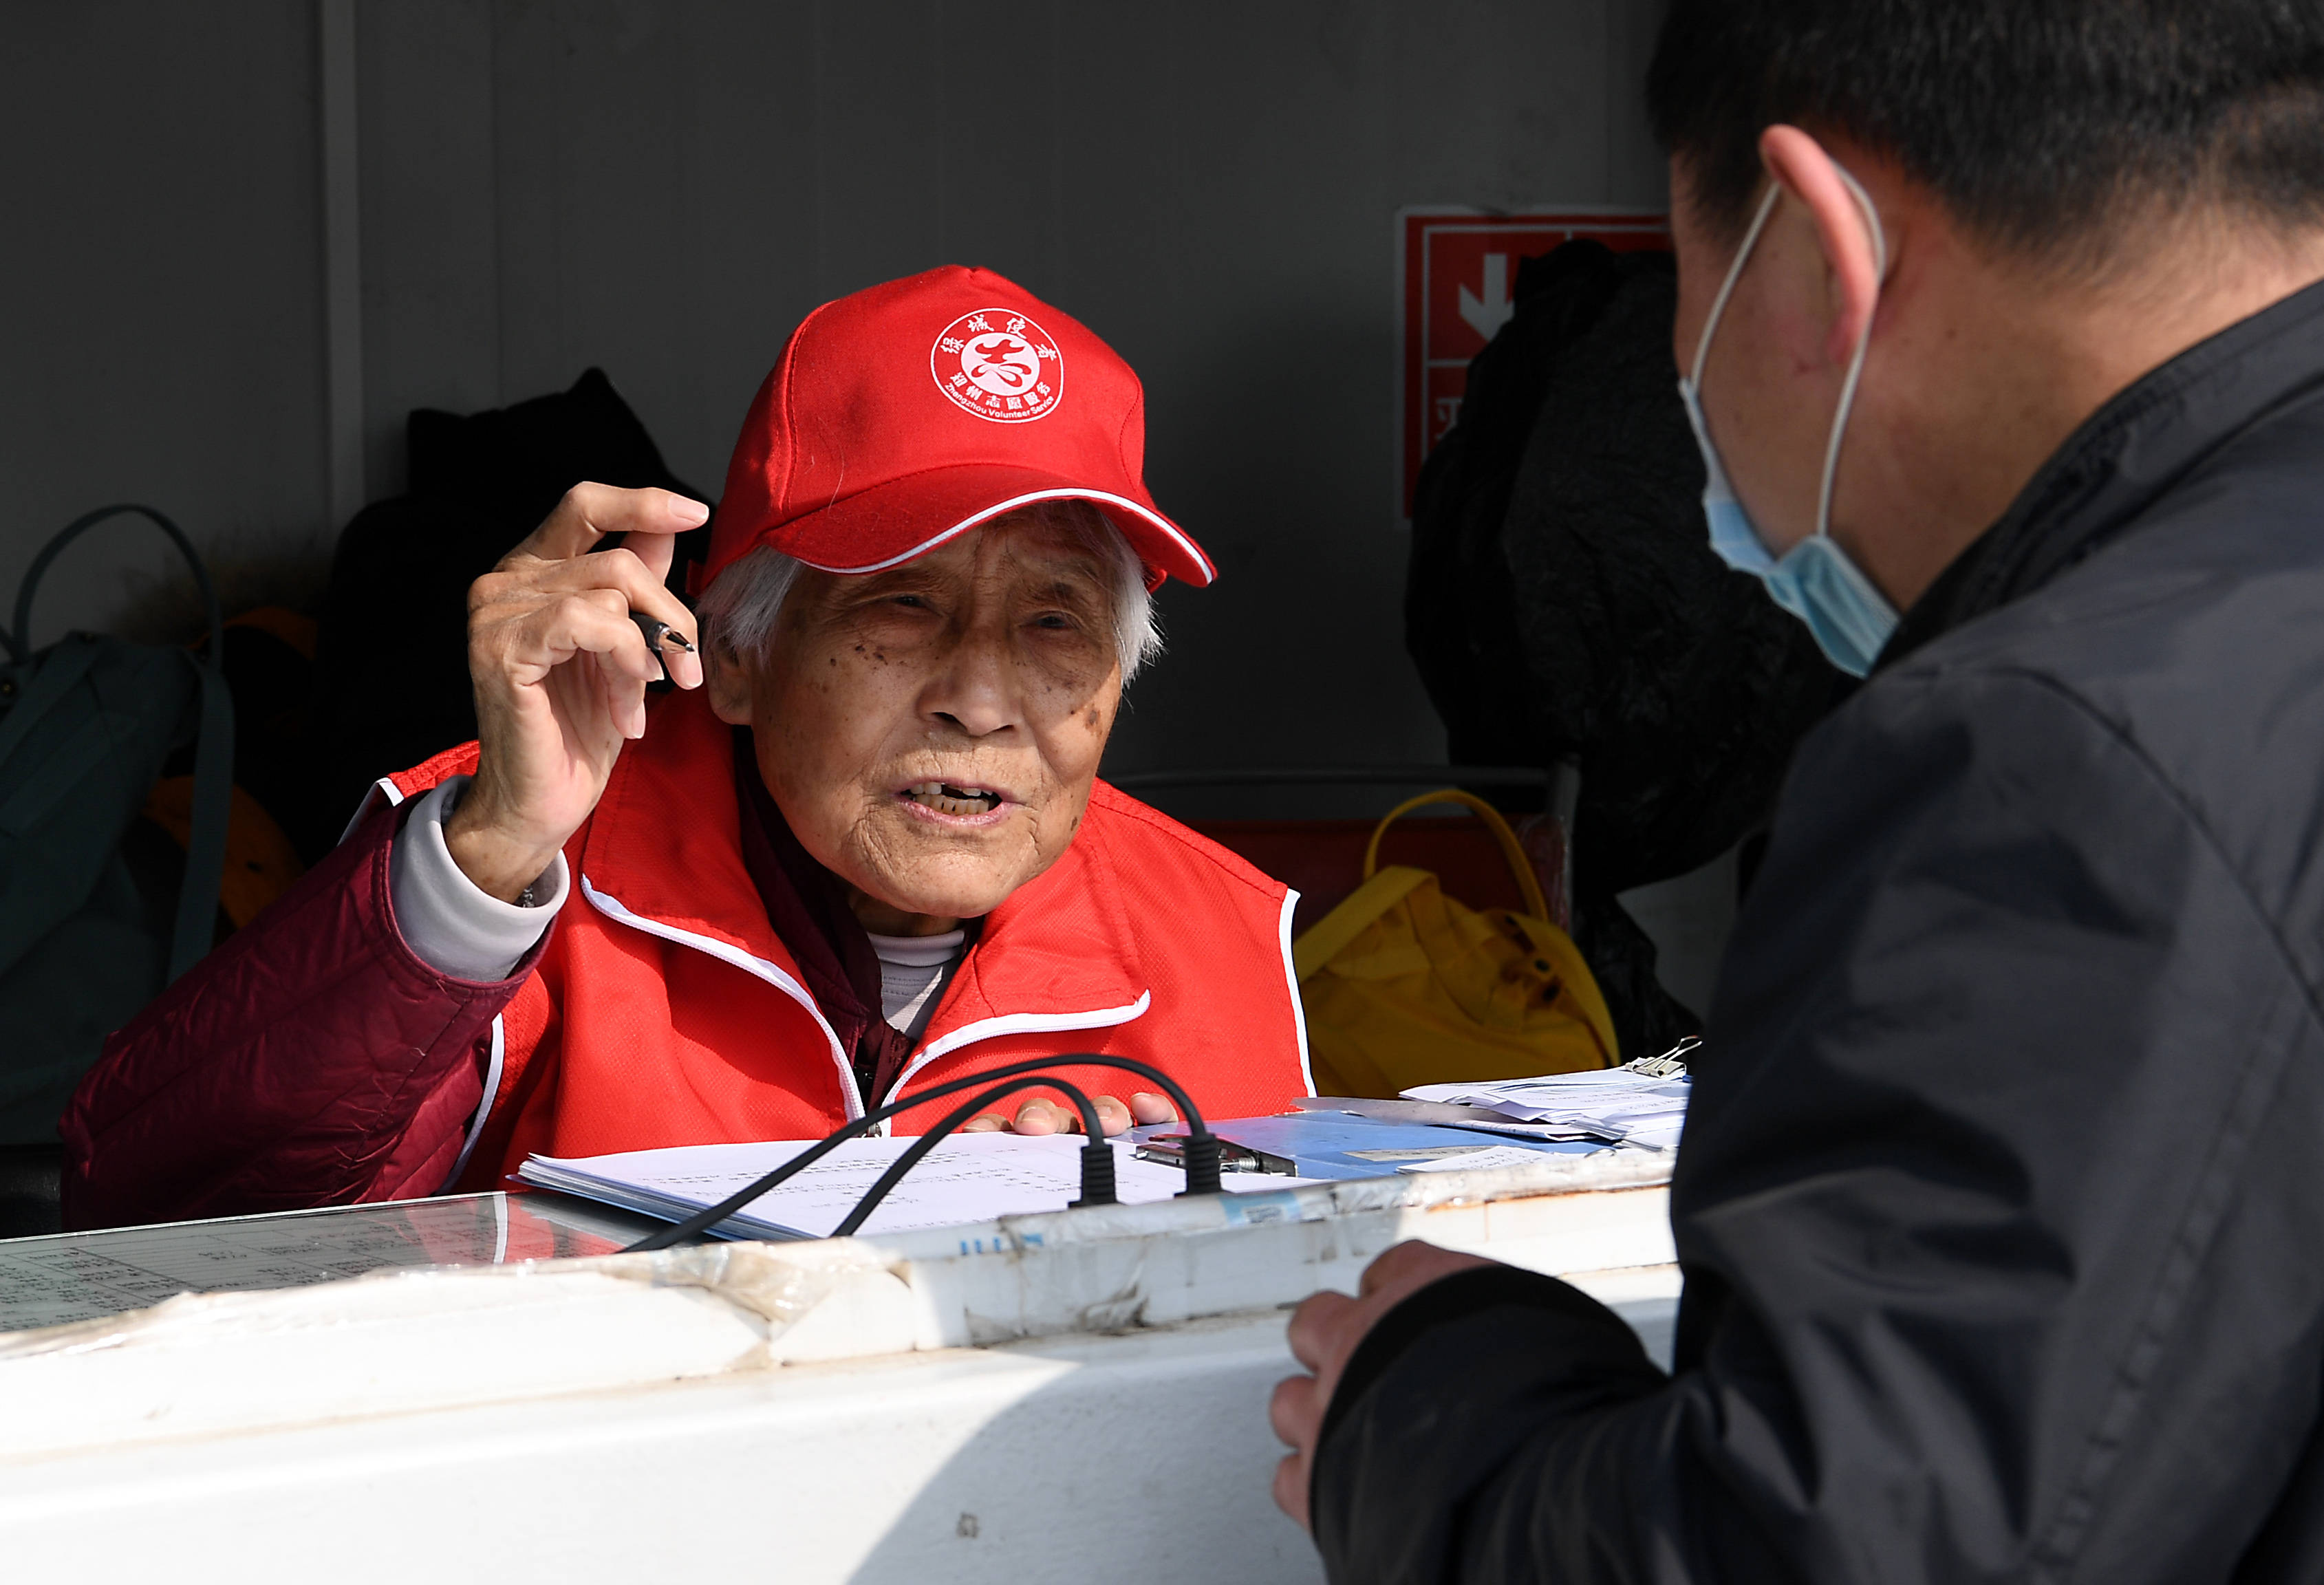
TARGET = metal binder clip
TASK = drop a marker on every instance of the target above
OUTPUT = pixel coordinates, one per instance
(1670, 1065)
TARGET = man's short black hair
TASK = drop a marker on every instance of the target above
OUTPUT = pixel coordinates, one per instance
(2037, 123)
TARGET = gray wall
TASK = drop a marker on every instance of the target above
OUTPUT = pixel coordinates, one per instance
(665, 189)
(161, 334)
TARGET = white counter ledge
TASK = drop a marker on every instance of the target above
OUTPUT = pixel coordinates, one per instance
(991, 1402)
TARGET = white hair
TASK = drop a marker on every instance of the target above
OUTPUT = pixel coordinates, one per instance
(739, 609)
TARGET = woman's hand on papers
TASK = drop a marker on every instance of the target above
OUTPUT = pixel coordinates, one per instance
(1324, 1335)
(560, 672)
(1055, 1117)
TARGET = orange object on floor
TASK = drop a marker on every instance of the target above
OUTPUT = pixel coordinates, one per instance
(286, 624)
(260, 863)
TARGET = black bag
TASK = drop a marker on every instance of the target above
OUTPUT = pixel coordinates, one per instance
(391, 665)
(84, 727)
(1563, 600)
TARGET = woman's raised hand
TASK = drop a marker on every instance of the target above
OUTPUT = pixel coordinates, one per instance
(560, 673)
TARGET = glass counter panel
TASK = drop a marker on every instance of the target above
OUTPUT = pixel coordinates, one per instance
(80, 1277)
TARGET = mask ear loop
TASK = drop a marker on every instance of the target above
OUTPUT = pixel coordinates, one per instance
(1726, 287)
(1855, 363)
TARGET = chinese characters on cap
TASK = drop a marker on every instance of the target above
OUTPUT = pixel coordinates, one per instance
(999, 365)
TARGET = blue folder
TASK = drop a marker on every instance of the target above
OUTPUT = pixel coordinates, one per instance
(1342, 1144)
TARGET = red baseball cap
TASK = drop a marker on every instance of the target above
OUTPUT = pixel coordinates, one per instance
(907, 414)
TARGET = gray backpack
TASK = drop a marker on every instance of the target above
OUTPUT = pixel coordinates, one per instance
(84, 727)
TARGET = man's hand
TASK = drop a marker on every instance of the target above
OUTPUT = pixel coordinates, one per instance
(560, 674)
(1055, 1117)
(1325, 1332)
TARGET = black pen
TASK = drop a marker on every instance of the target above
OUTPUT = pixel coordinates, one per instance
(657, 633)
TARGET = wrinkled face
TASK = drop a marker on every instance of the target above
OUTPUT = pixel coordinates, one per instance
(931, 732)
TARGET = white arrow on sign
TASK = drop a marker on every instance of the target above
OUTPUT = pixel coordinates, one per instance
(1487, 315)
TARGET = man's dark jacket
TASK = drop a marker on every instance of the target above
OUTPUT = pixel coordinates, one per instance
(2001, 1207)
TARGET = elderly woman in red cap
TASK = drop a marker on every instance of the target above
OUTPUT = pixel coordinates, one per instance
(861, 849)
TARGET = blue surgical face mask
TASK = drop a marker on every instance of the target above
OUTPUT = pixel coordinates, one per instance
(1814, 580)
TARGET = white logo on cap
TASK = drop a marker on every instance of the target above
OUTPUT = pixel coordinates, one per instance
(999, 365)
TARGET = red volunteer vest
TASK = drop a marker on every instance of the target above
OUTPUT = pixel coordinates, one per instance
(666, 1011)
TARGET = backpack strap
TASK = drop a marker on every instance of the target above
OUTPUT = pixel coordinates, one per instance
(1330, 936)
(1528, 883)
(20, 638)
(213, 803)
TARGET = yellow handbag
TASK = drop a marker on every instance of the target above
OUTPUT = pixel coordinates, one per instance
(1405, 986)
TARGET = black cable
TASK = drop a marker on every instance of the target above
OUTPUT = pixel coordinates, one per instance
(1092, 1194)
(1202, 1151)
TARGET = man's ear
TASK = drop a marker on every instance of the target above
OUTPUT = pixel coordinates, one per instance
(729, 683)
(1847, 232)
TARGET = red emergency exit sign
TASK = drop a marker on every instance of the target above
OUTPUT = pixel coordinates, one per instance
(1455, 271)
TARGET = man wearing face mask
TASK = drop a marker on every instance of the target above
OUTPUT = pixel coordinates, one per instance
(2003, 337)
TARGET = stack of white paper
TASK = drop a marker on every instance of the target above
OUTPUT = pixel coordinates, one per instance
(1613, 1104)
(967, 1178)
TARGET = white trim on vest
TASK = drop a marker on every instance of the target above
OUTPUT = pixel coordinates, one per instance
(1104, 1017)
(1298, 1008)
(727, 952)
(384, 785)
(483, 1107)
